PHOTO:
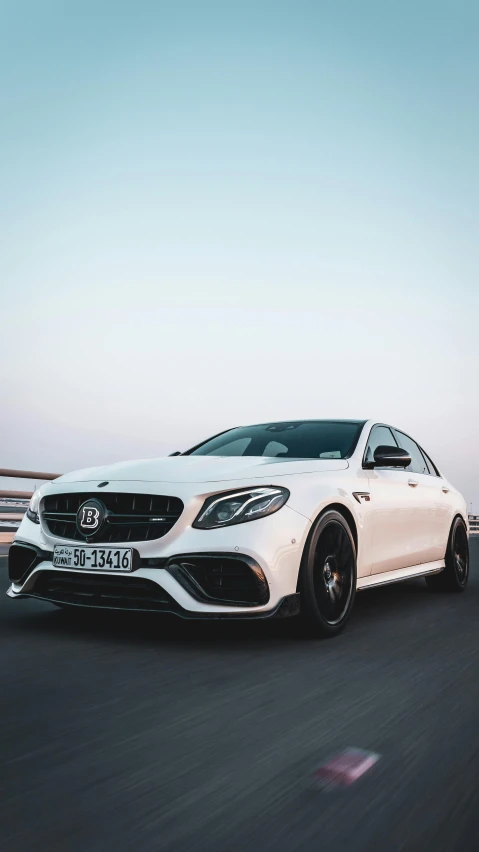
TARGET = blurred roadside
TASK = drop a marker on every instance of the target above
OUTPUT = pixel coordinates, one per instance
(14, 502)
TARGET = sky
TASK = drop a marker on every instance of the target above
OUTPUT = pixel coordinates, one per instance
(217, 213)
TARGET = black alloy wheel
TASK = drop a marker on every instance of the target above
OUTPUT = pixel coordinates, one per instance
(327, 579)
(455, 575)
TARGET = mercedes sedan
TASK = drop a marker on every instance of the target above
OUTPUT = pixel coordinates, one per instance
(271, 520)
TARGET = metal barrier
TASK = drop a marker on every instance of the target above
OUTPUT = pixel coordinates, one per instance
(27, 474)
(17, 501)
(474, 524)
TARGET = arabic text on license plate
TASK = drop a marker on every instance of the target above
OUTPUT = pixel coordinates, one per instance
(91, 558)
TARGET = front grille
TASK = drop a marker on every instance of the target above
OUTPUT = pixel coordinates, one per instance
(129, 517)
(221, 578)
(100, 591)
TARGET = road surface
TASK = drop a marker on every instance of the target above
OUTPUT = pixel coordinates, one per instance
(133, 734)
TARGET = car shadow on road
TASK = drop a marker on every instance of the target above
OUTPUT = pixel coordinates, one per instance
(387, 605)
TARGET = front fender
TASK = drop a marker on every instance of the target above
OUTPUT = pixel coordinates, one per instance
(311, 497)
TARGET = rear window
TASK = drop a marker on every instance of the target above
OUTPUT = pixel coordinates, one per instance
(308, 439)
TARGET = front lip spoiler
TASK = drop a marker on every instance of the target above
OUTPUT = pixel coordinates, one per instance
(287, 607)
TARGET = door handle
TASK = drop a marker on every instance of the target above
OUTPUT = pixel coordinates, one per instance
(445, 489)
(412, 482)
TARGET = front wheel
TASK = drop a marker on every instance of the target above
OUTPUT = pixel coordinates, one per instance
(454, 577)
(327, 577)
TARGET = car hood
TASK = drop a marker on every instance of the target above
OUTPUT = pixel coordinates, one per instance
(202, 469)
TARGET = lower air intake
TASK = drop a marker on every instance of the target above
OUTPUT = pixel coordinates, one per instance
(131, 593)
(221, 578)
(21, 561)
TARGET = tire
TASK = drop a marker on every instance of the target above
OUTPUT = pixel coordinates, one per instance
(327, 576)
(455, 575)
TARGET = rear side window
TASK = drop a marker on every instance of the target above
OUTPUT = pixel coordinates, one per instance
(418, 462)
(380, 436)
(432, 467)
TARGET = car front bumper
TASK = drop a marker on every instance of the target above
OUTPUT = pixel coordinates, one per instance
(270, 548)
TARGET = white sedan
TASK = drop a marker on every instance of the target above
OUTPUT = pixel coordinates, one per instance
(276, 519)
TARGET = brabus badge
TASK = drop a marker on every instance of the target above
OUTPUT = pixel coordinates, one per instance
(90, 517)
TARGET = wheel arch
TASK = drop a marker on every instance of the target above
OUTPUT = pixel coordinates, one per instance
(461, 517)
(348, 517)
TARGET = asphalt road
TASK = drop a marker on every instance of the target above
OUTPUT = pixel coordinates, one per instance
(133, 734)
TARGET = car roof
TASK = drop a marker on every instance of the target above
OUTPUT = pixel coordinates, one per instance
(305, 420)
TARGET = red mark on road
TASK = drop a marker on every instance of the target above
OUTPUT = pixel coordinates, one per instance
(345, 768)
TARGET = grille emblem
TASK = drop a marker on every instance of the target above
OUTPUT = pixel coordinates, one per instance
(90, 517)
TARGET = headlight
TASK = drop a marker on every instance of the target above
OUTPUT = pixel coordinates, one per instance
(240, 506)
(32, 511)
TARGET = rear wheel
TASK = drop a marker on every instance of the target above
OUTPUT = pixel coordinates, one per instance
(327, 579)
(455, 575)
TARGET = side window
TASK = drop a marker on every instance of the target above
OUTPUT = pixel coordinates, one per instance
(418, 463)
(432, 467)
(428, 467)
(380, 436)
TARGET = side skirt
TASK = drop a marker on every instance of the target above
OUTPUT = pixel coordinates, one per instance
(400, 574)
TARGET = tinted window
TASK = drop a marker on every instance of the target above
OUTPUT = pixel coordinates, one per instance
(236, 447)
(432, 467)
(274, 448)
(380, 436)
(418, 464)
(308, 439)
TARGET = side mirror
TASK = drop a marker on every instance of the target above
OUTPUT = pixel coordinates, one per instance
(177, 453)
(390, 457)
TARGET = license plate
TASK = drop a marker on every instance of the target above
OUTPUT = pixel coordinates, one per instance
(93, 558)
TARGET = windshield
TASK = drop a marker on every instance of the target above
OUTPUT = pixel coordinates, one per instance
(306, 439)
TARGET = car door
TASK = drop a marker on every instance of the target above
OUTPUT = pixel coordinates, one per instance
(394, 533)
(430, 500)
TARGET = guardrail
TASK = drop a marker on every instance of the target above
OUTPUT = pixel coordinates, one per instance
(474, 524)
(27, 474)
(17, 501)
